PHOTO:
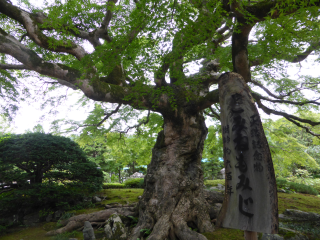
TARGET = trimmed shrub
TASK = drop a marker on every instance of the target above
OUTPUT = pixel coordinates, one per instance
(60, 174)
(113, 185)
(134, 183)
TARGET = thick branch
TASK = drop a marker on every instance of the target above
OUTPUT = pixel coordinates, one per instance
(240, 59)
(93, 88)
(182, 43)
(13, 67)
(298, 58)
(29, 21)
(206, 101)
(213, 113)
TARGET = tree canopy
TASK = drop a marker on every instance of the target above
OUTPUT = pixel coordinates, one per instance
(136, 55)
(140, 51)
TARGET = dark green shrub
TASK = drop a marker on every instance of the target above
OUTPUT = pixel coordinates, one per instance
(282, 183)
(58, 170)
(134, 183)
(113, 185)
(302, 188)
(213, 183)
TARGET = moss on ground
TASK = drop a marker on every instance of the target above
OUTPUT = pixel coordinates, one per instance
(122, 196)
(224, 234)
(303, 202)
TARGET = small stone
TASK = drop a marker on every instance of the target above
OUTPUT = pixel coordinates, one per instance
(96, 199)
(88, 233)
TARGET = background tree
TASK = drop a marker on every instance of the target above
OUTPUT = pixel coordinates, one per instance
(213, 153)
(140, 51)
(291, 147)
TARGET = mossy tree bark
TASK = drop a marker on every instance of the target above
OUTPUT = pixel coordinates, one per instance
(173, 200)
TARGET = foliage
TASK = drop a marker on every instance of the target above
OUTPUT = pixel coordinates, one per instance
(213, 183)
(65, 236)
(213, 153)
(309, 228)
(291, 147)
(134, 182)
(297, 187)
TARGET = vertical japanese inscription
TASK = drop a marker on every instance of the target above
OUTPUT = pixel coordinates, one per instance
(241, 145)
(251, 201)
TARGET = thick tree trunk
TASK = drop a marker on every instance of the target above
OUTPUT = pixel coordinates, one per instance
(173, 199)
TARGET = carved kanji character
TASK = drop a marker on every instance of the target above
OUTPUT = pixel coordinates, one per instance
(255, 132)
(229, 189)
(226, 129)
(227, 150)
(258, 167)
(229, 176)
(254, 119)
(257, 156)
(256, 144)
(241, 164)
(246, 202)
(244, 182)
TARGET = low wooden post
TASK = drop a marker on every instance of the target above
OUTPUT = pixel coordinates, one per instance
(248, 235)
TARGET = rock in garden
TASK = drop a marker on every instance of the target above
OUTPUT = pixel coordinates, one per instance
(96, 199)
(300, 215)
(88, 233)
(115, 229)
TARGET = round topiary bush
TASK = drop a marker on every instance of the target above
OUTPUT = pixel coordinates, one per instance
(50, 171)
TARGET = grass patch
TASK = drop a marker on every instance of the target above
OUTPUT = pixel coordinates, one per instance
(224, 234)
(303, 202)
(113, 185)
(214, 183)
(122, 196)
(30, 233)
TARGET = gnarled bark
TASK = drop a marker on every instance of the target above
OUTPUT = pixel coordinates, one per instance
(174, 198)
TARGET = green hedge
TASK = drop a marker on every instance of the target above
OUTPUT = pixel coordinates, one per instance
(213, 183)
(134, 183)
(113, 185)
(297, 187)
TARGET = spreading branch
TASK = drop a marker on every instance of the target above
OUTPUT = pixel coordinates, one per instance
(213, 113)
(258, 96)
(286, 115)
(136, 126)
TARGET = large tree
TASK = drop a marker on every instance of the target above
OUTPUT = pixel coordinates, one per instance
(139, 56)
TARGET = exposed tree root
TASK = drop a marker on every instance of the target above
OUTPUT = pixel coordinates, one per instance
(77, 222)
